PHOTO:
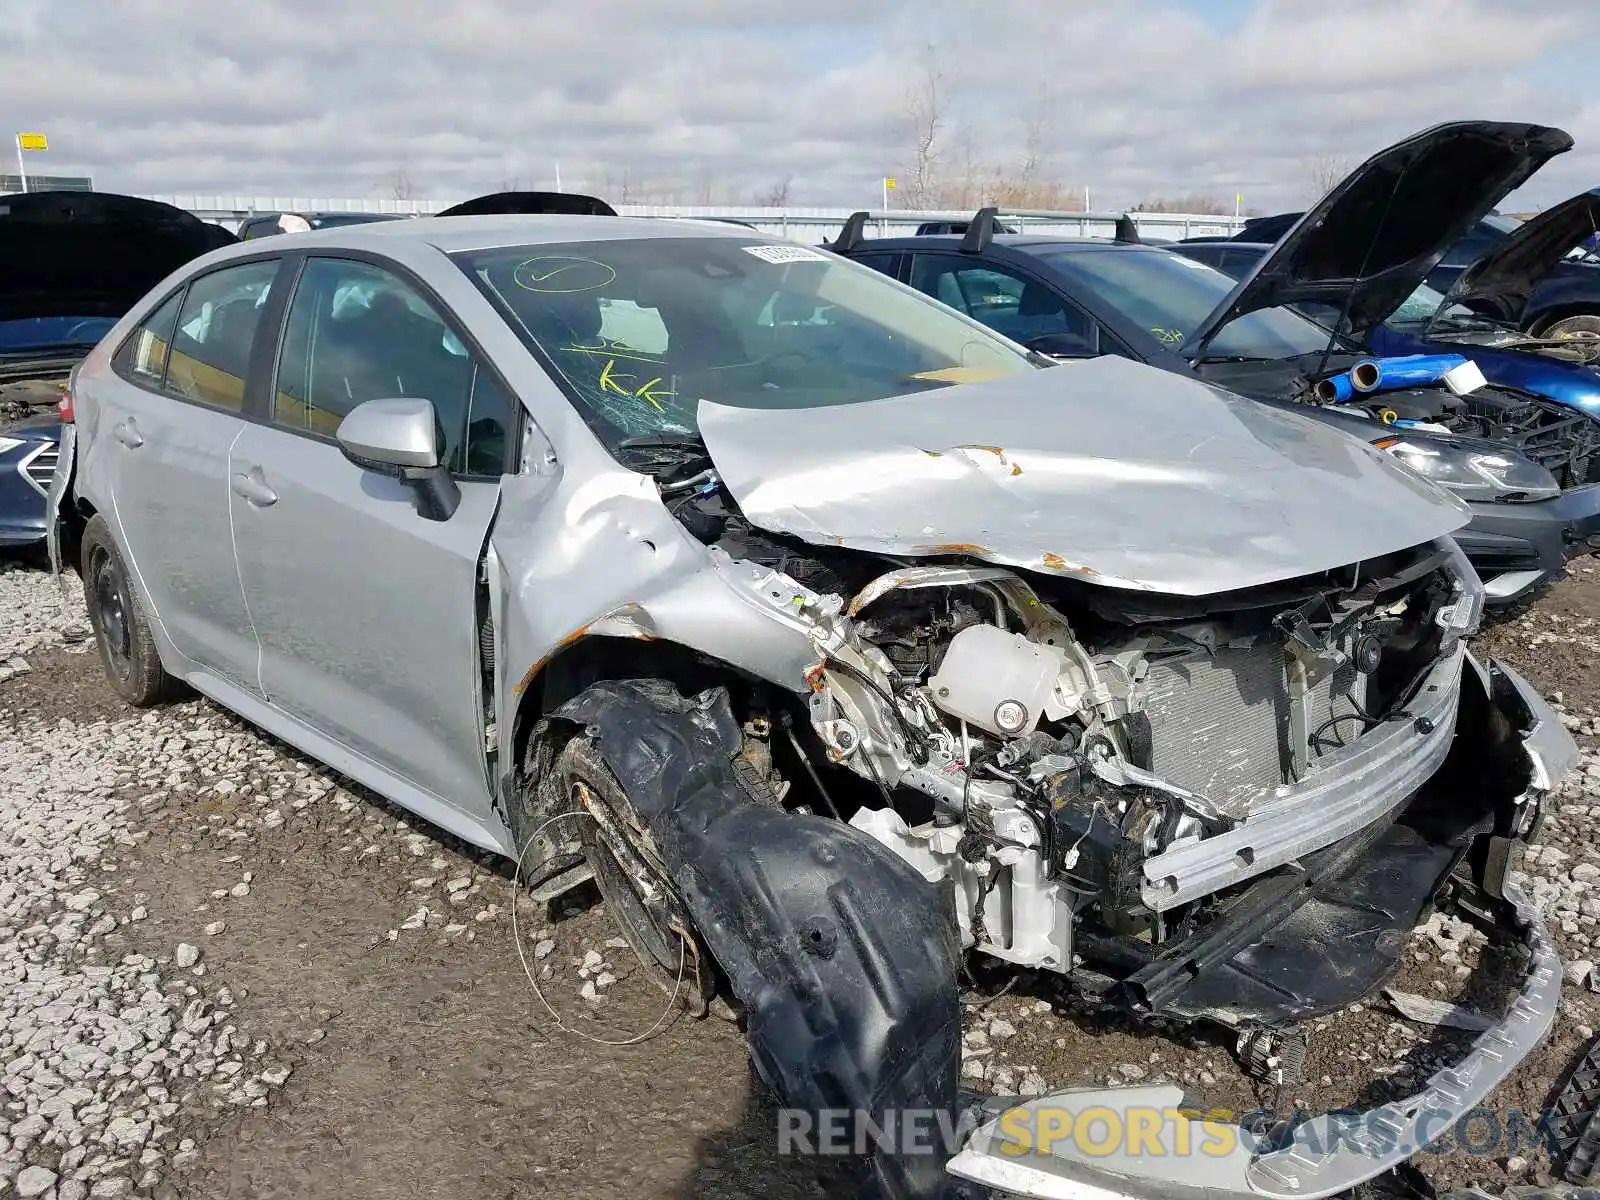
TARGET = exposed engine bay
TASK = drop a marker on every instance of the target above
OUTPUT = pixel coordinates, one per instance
(1095, 774)
(31, 389)
(1563, 440)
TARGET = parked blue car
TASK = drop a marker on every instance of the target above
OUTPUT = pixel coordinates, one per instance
(74, 262)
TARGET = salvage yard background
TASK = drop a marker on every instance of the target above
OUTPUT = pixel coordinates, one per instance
(224, 972)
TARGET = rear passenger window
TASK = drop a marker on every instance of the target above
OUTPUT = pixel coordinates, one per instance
(357, 332)
(216, 331)
(143, 357)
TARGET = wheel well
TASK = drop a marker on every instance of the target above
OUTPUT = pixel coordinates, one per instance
(75, 517)
(603, 657)
(599, 656)
(1561, 312)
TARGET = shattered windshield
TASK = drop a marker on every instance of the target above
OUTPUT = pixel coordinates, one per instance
(1170, 296)
(641, 330)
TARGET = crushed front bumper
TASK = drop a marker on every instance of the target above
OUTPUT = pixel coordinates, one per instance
(1151, 1141)
(1031, 1149)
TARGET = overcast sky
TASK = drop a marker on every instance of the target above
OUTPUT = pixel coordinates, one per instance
(321, 98)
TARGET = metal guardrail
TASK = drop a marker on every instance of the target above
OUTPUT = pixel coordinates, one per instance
(810, 225)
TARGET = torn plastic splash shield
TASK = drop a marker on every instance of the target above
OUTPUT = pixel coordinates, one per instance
(1329, 1154)
(843, 956)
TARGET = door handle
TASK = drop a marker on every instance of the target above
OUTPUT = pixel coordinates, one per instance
(252, 485)
(127, 432)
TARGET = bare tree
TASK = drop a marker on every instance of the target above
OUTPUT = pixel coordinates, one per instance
(1322, 173)
(399, 185)
(925, 113)
(1192, 203)
(777, 196)
(511, 183)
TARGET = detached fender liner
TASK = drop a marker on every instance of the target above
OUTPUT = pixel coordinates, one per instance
(844, 958)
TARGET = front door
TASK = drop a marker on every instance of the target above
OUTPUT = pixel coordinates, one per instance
(169, 412)
(1005, 300)
(367, 612)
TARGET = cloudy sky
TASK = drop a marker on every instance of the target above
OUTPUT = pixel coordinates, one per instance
(724, 98)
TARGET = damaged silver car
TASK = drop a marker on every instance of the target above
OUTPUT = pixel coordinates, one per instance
(836, 637)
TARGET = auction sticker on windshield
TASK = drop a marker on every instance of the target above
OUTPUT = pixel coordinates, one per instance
(785, 254)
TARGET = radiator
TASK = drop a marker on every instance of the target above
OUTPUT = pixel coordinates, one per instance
(1219, 724)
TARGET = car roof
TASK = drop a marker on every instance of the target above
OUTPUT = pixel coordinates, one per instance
(1013, 241)
(453, 234)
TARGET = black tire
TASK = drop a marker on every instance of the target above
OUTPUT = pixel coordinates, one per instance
(1584, 325)
(121, 629)
(659, 931)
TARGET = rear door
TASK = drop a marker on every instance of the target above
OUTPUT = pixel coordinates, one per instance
(168, 413)
(367, 613)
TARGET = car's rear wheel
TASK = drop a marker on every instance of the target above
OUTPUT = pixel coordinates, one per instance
(632, 880)
(121, 629)
(1582, 326)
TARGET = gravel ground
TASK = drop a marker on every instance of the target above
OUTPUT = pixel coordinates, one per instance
(225, 972)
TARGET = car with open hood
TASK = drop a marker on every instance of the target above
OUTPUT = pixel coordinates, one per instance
(1485, 312)
(1528, 465)
(1543, 281)
(260, 225)
(836, 638)
(74, 262)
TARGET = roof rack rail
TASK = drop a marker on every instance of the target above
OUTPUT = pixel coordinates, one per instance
(851, 235)
(549, 203)
(981, 232)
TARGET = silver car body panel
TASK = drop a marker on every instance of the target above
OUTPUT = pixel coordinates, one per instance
(402, 690)
(1327, 1155)
(1552, 752)
(167, 462)
(1071, 472)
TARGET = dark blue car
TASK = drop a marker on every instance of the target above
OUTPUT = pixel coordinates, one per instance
(1484, 314)
(74, 262)
(1528, 467)
(1547, 278)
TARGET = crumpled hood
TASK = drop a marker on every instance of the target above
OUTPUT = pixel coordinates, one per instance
(1372, 239)
(1506, 276)
(92, 254)
(1105, 470)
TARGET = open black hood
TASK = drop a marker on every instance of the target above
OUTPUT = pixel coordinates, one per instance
(572, 204)
(1370, 241)
(1505, 277)
(92, 254)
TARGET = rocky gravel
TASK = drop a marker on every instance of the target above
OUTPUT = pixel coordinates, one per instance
(107, 1052)
(222, 968)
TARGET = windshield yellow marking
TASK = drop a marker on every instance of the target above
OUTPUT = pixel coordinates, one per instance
(650, 391)
(561, 275)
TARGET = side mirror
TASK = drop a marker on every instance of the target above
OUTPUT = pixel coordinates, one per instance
(400, 438)
(1063, 345)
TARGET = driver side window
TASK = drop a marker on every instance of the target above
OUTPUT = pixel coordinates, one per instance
(356, 332)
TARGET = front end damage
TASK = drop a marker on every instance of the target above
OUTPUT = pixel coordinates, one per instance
(1233, 815)
(1195, 785)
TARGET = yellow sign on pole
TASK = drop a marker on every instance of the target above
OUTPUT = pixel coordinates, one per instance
(32, 141)
(888, 183)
